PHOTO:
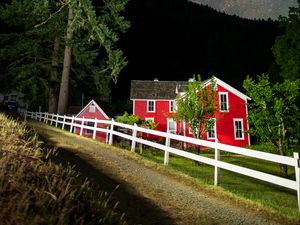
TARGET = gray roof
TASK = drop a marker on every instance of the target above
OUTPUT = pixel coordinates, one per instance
(147, 89)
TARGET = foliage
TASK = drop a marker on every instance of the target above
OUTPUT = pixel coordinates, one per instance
(197, 106)
(31, 27)
(287, 46)
(37, 191)
(274, 112)
(134, 119)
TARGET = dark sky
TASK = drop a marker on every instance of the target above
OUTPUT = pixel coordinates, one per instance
(175, 39)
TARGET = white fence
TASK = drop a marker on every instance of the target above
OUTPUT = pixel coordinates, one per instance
(72, 122)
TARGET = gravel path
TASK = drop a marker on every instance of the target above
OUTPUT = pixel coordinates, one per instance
(148, 195)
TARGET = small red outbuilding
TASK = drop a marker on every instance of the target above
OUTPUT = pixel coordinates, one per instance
(92, 111)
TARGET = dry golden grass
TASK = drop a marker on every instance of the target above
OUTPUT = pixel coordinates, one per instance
(34, 190)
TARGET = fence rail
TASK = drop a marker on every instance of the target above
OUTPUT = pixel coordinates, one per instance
(111, 131)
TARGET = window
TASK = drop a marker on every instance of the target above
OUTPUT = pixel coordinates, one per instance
(172, 106)
(211, 133)
(238, 129)
(92, 109)
(172, 126)
(90, 124)
(223, 99)
(150, 106)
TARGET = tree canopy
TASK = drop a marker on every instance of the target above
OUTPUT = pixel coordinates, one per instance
(287, 46)
(34, 38)
(197, 106)
(274, 113)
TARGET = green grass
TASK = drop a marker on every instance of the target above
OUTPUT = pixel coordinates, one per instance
(282, 200)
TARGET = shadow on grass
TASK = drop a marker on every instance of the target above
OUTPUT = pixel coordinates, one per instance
(137, 209)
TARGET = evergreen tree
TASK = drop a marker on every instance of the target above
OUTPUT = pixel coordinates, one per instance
(33, 45)
(287, 46)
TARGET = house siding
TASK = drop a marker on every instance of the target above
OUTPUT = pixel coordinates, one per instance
(237, 103)
(92, 115)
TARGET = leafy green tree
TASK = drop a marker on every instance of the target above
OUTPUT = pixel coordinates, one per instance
(274, 113)
(37, 34)
(197, 106)
(287, 46)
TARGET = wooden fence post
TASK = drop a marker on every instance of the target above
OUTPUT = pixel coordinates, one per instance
(51, 121)
(56, 121)
(107, 135)
(63, 124)
(40, 116)
(133, 138)
(46, 117)
(111, 130)
(95, 127)
(81, 128)
(217, 169)
(72, 124)
(297, 175)
(166, 157)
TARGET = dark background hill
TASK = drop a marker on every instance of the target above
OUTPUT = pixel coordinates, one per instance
(174, 39)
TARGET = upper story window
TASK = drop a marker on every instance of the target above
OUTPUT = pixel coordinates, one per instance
(223, 99)
(92, 109)
(151, 106)
(172, 106)
(238, 129)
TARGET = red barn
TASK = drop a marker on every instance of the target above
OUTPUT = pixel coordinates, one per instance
(156, 100)
(92, 111)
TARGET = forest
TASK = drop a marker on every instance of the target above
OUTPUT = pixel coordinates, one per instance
(168, 40)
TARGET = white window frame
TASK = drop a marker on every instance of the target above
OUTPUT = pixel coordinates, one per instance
(227, 101)
(241, 120)
(214, 130)
(168, 125)
(92, 109)
(148, 104)
(172, 106)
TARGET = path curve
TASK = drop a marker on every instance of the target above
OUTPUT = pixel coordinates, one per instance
(148, 195)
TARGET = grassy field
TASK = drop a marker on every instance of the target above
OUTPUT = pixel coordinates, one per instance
(34, 190)
(276, 198)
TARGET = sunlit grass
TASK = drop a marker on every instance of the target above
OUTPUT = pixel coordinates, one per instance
(282, 200)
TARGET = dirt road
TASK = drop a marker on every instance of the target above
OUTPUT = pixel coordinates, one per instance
(146, 192)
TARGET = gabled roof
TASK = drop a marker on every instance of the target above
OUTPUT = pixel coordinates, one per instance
(92, 102)
(146, 89)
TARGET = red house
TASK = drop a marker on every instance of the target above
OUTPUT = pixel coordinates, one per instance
(92, 111)
(155, 100)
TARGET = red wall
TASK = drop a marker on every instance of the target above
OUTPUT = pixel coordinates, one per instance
(88, 115)
(224, 124)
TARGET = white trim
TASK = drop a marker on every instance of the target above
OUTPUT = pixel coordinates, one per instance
(168, 127)
(227, 101)
(154, 102)
(228, 87)
(97, 107)
(144, 99)
(242, 124)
